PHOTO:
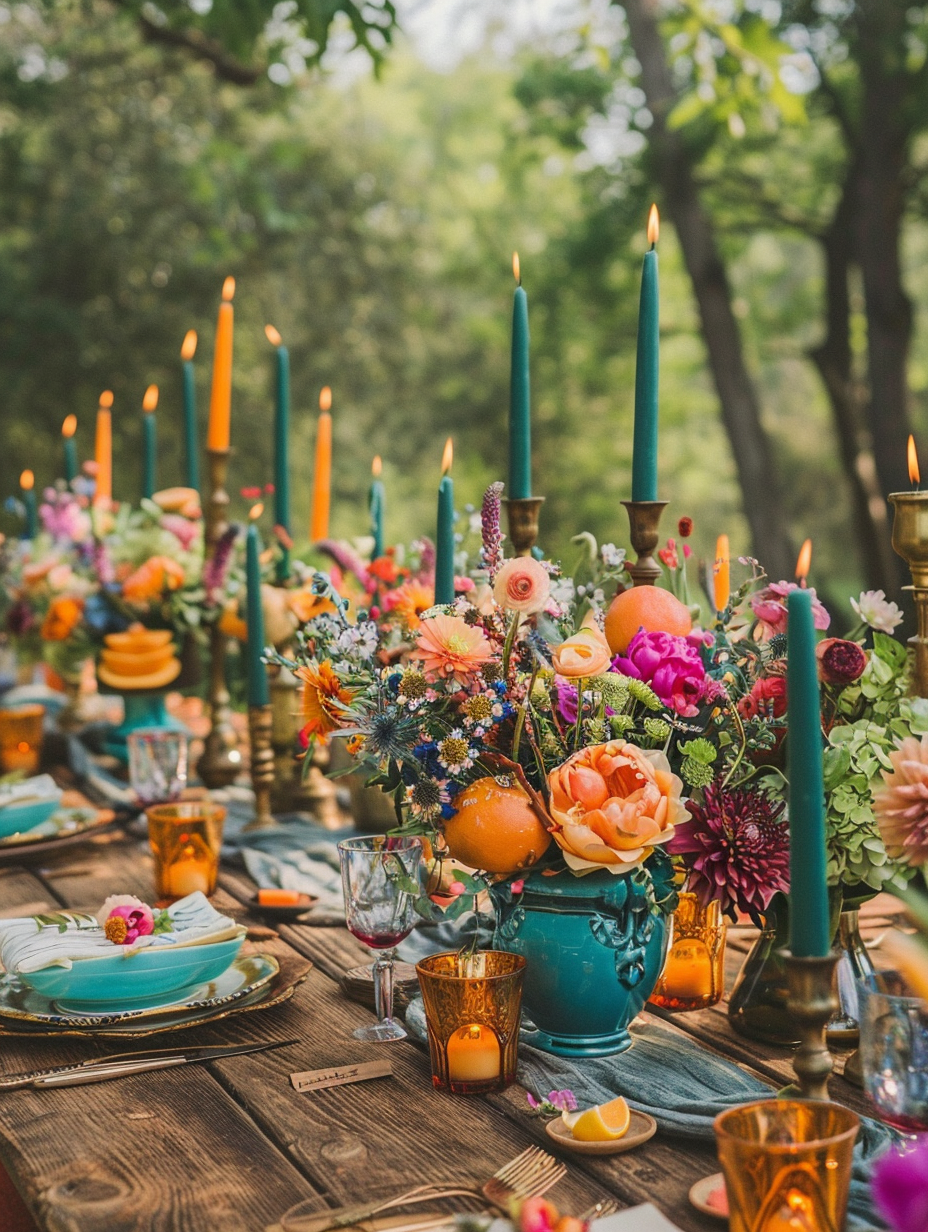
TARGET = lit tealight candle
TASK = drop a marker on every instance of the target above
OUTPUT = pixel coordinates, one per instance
(189, 875)
(473, 1054)
(687, 974)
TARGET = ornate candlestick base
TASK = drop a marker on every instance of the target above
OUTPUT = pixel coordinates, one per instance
(910, 541)
(221, 761)
(262, 765)
(643, 521)
(522, 516)
(812, 1001)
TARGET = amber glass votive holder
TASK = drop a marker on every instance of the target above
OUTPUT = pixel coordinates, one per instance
(787, 1164)
(693, 977)
(21, 738)
(185, 839)
(473, 1007)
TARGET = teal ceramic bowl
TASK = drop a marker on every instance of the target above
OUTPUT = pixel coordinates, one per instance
(143, 977)
(19, 818)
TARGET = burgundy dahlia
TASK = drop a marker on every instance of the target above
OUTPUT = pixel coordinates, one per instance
(736, 848)
(840, 661)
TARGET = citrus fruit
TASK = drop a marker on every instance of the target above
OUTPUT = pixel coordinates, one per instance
(648, 608)
(604, 1123)
(495, 828)
(570, 1119)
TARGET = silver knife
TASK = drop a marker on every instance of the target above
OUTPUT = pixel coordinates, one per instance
(121, 1065)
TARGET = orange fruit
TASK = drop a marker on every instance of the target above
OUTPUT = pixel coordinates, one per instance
(648, 608)
(604, 1123)
(495, 828)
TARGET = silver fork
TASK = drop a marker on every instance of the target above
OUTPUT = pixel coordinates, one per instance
(530, 1174)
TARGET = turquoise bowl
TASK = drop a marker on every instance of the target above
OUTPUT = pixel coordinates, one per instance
(135, 978)
(19, 818)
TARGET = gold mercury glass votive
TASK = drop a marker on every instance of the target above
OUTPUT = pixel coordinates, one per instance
(787, 1164)
(21, 738)
(693, 977)
(185, 839)
(473, 1006)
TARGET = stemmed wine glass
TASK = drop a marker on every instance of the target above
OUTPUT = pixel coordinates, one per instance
(380, 911)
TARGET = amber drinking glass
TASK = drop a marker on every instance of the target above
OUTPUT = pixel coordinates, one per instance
(787, 1164)
(185, 839)
(473, 1006)
(693, 977)
(21, 738)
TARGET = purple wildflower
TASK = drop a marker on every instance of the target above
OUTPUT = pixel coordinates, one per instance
(900, 1187)
(217, 566)
(492, 536)
(346, 559)
(565, 1100)
(426, 559)
(102, 565)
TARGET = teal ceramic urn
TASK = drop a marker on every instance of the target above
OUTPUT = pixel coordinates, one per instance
(594, 948)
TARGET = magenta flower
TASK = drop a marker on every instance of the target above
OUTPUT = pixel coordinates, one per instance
(671, 665)
(736, 848)
(769, 606)
(125, 918)
(900, 1187)
(183, 530)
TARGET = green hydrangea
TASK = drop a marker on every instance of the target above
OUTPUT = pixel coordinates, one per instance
(657, 729)
(700, 750)
(696, 773)
(620, 724)
(613, 689)
(643, 693)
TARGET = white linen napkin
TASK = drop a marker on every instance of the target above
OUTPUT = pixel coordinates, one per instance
(41, 787)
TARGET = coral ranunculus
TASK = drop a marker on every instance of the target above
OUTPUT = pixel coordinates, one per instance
(671, 665)
(153, 579)
(585, 654)
(522, 585)
(450, 647)
(62, 618)
(613, 804)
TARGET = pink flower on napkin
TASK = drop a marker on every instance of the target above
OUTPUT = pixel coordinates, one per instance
(124, 918)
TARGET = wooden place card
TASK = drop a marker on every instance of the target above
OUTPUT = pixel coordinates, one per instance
(340, 1075)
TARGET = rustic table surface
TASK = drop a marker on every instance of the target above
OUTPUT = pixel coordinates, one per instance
(231, 1145)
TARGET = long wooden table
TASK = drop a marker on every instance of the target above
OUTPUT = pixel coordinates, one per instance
(231, 1146)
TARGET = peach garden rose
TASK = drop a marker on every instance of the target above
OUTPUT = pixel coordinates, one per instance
(613, 803)
(522, 585)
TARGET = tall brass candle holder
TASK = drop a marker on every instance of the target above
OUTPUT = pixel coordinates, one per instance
(522, 515)
(221, 760)
(643, 522)
(812, 1002)
(262, 765)
(910, 541)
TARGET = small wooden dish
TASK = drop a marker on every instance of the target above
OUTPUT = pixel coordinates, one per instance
(699, 1194)
(282, 913)
(641, 1128)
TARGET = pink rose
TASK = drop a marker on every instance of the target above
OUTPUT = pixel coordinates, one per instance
(769, 606)
(522, 585)
(671, 665)
(183, 530)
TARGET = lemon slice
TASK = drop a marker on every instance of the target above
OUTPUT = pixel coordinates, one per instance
(570, 1119)
(604, 1123)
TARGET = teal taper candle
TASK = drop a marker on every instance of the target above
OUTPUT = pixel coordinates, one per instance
(444, 537)
(27, 484)
(810, 936)
(281, 445)
(149, 440)
(68, 428)
(644, 448)
(258, 690)
(376, 504)
(191, 435)
(520, 416)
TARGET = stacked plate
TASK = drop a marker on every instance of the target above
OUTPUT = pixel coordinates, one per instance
(62, 974)
(32, 816)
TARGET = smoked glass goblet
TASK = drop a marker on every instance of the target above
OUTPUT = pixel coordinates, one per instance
(380, 879)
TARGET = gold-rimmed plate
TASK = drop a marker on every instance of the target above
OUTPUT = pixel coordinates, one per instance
(65, 827)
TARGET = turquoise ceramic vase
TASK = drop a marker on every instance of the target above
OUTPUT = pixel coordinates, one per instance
(594, 948)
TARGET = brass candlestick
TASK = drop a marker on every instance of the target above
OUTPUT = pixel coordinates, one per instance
(812, 1002)
(262, 765)
(522, 515)
(643, 522)
(910, 541)
(221, 760)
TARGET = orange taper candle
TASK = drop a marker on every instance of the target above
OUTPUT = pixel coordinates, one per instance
(220, 402)
(322, 478)
(721, 574)
(103, 450)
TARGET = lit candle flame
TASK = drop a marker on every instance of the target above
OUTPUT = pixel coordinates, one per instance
(804, 562)
(27, 481)
(376, 467)
(228, 288)
(447, 457)
(188, 348)
(516, 268)
(106, 400)
(256, 511)
(150, 401)
(272, 335)
(654, 226)
(325, 398)
(69, 427)
(914, 474)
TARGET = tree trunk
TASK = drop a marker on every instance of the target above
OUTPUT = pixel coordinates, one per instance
(740, 408)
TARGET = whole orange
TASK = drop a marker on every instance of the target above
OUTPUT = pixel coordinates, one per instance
(495, 828)
(648, 608)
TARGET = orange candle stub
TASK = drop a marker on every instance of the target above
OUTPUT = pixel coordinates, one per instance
(473, 1054)
(322, 478)
(279, 898)
(103, 450)
(220, 402)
